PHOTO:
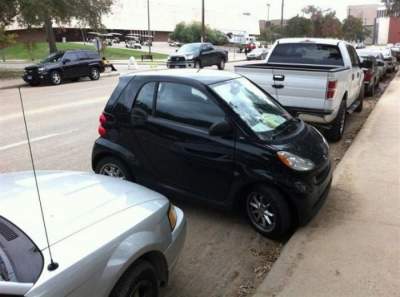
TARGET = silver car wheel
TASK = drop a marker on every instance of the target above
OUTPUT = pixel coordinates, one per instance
(261, 212)
(144, 288)
(113, 171)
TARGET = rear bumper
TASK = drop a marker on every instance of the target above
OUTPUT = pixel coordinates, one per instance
(318, 116)
(178, 240)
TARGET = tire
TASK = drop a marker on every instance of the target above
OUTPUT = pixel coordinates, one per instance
(335, 133)
(268, 212)
(140, 280)
(197, 65)
(360, 100)
(111, 166)
(371, 90)
(94, 73)
(221, 65)
(55, 78)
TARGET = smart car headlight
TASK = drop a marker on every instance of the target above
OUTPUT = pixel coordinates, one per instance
(295, 162)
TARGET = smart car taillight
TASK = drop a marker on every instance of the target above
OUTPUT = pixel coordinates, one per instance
(331, 89)
(103, 120)
(368, 75)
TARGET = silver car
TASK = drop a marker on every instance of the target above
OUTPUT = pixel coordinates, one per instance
(108, 237)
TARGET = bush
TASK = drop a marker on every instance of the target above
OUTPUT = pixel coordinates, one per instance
(187, 33)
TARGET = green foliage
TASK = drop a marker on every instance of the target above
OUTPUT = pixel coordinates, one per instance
(6, 39)
(188, 33)
(8, 10)
(324, 22)
(271, 33)
(353, 29)
(299, 27)
(393, 7)
(19, 51)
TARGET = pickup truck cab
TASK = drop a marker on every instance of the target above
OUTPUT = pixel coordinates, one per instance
(321, 80)
(198, 55)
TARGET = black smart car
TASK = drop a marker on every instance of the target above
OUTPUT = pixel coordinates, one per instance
(68, 65)
(217, 137)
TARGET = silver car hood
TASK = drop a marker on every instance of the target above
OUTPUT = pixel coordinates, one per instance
(71, 201)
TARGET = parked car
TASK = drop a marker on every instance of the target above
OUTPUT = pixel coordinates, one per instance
(382, 65)
(257, 54)
(319, 79)
(372, 74)
(65, 65)
(108, 237)
(215, 137)
(390, 60)
(198, 55)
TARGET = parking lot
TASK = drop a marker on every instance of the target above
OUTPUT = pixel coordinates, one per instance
(223, 255)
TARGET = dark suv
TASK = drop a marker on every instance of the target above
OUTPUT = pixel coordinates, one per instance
(217, 137)
(68, 65)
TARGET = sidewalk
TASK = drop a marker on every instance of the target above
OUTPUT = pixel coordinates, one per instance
(352, 248)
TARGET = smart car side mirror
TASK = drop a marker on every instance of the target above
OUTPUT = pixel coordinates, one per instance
(222, 128)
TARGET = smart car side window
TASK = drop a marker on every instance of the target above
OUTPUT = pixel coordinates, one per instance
(187, 105)
(144, 99)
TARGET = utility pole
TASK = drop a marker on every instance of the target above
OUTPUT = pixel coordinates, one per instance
(282, 10)
(203, 26)
(148, 26)
(268, 7)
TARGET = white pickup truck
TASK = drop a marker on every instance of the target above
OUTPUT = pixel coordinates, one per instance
(318, 79)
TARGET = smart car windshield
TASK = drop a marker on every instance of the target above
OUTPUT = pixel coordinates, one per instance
(253, 106)
(53, 58)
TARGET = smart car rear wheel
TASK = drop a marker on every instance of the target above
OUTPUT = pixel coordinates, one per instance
(113, 167)
(94, 73)
(221, 65)
(268, 212)
(140, 281)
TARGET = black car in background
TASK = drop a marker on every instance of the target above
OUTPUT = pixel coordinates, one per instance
(65, 65)
(198, 55)
(217, 137)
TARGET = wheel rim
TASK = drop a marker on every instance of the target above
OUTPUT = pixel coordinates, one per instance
(56, 78)
(143, 288)
(222, 64)
(95, 73)
(261, 211)
(113, 171)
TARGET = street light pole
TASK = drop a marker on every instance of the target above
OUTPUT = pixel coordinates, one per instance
(148, 26)
(268, 7)
(203, 26)
(283, 7)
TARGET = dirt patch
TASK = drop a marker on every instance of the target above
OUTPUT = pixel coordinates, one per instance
(223, 255)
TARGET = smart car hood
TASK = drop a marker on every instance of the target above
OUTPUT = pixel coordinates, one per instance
(71, 201)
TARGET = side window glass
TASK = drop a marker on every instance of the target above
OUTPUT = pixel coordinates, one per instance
(71, 56)
(144, 100)
(187, 105)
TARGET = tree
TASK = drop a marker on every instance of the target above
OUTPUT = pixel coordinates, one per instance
(188, 33)
(45, 12)
(8, 11)
(271, 33)
(324, 22)
(393, 7)
(6, 40)
(353, 29)
(299, 27)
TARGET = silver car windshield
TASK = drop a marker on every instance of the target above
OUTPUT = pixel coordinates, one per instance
(252, 105)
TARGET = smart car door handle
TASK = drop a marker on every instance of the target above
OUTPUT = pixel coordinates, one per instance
(278, 86)
(279, 77)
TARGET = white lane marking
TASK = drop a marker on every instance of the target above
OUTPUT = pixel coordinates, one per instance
(36, 139)
(52, 108)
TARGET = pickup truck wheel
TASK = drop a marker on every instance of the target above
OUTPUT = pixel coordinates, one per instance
(360, 100)
(94, 73)
(221, 65)
(268, 212)
(55, 77)
(335, 133)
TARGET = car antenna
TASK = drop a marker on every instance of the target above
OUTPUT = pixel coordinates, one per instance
(53, 265)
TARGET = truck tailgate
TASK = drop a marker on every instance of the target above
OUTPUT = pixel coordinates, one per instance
(297, 88)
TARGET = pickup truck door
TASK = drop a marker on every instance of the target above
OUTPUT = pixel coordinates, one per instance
(356, 76)
(300, 88)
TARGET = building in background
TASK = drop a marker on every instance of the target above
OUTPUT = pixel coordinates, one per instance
(130, 16)
(368, 14)
(387, 27)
